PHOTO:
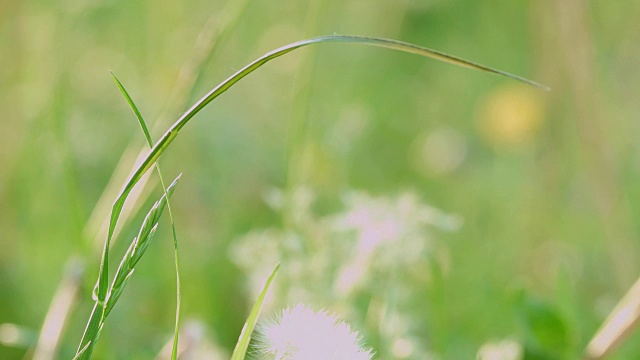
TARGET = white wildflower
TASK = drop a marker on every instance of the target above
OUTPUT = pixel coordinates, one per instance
(303, 334)
(390, 233)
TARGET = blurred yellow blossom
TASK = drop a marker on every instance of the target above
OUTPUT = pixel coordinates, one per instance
(510, 116)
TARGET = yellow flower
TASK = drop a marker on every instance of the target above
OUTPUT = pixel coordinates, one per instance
(510, 116)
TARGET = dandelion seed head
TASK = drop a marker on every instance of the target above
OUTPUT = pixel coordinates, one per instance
(300, 333)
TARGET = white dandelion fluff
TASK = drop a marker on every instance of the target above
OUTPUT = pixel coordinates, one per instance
(300, 333)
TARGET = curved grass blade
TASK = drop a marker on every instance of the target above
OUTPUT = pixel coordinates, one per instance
(101, 288)
(173, 131)
(247, 330)
(162, 144)
(145, 130)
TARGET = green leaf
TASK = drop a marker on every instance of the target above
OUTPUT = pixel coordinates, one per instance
(247, 330)
(545, 328)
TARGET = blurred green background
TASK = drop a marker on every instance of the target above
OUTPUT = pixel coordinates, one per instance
(545, 183)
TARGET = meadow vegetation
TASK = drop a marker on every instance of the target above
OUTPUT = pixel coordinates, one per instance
(442, 212)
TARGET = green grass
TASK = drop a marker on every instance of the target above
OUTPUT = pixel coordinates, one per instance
(147, 136)
(240, 351)
(107, 296)
(552, 217)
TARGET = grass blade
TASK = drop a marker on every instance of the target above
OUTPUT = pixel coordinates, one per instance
(132, 256)
(247, 330)
(173, 131)
(145, 131)
(133, 106)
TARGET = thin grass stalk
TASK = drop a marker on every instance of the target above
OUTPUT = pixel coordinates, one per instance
(207, 40)
(147, 136)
